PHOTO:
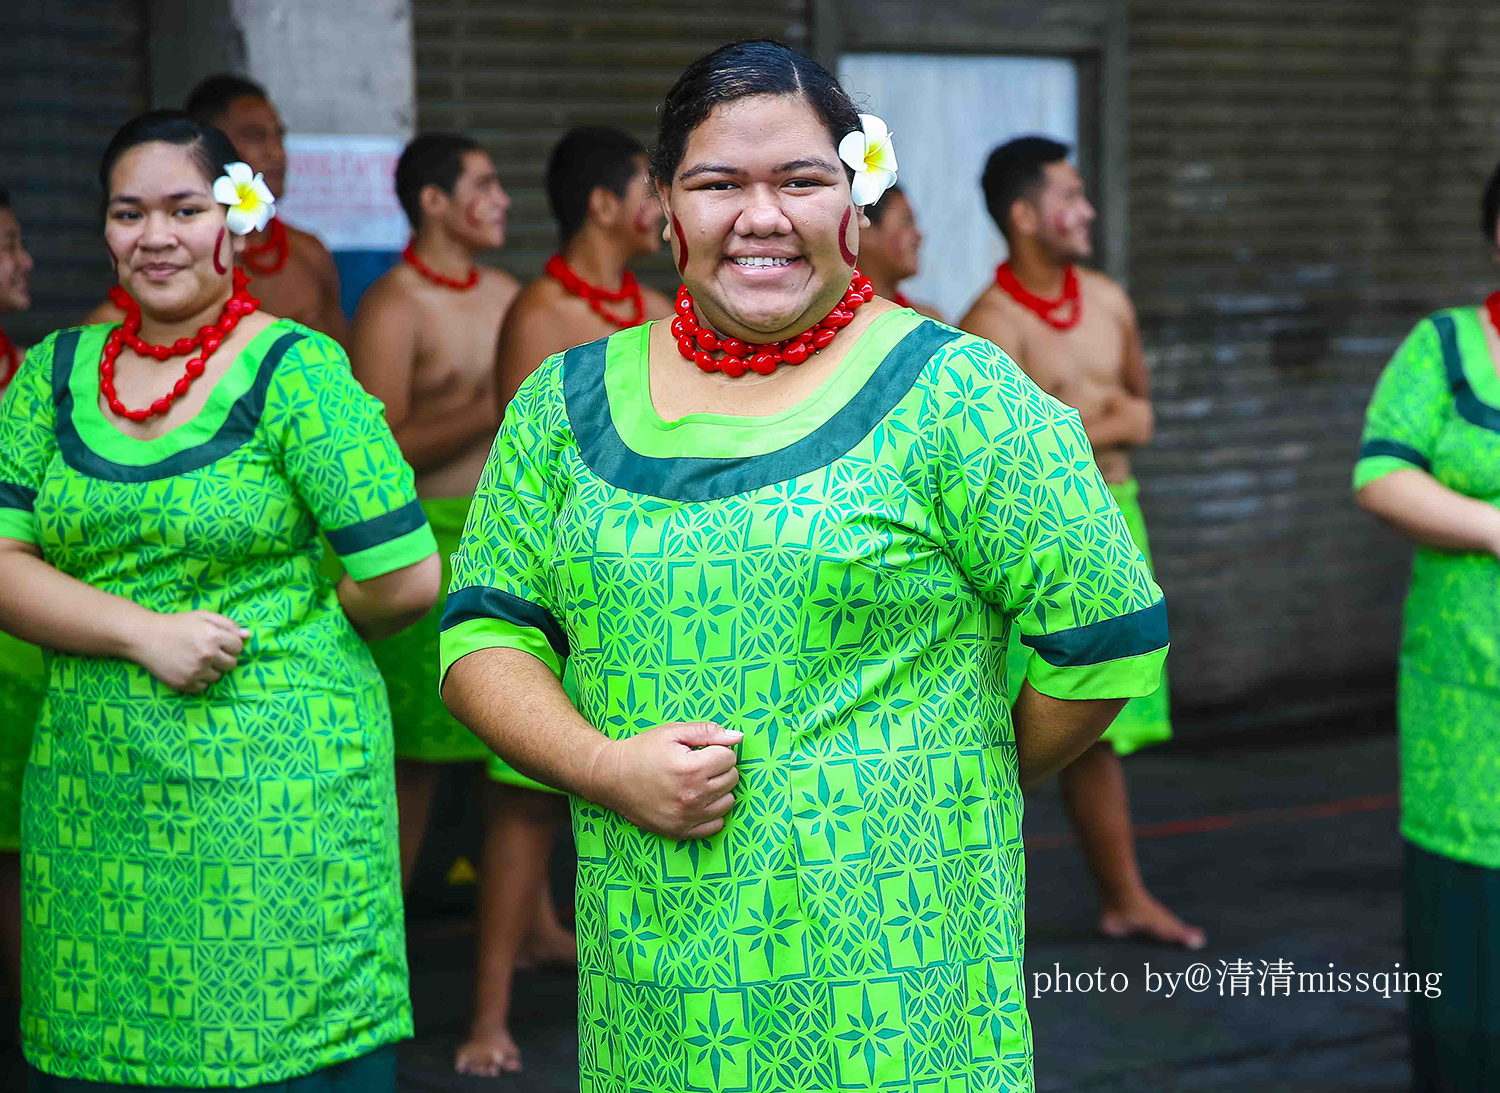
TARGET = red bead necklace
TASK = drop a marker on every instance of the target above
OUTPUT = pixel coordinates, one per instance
(208, 338)
(699, 345)
(1044, 309)
(276, 245)
(1492, 306)
(559, 270)
(899, 299)
(409, 256)
(10, 360)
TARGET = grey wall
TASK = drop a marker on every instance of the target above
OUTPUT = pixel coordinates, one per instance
(334, 66)
(1304, 186)
(71, 71)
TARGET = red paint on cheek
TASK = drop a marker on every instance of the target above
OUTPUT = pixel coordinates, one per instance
(1060, 224)
(844, 237)
(682, 256)
(218, 242)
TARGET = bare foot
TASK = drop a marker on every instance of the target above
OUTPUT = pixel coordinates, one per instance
(543, 947)
(488, 1053)
(1146, 916)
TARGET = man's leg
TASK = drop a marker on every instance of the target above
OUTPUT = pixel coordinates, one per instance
(416, 785)
(1098, 804)
(521, 828)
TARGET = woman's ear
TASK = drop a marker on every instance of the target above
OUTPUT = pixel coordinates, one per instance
(864, 221)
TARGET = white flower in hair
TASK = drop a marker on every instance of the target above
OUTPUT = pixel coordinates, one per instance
(872, 155)
(251, 204)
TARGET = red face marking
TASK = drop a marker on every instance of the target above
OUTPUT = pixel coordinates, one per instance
(682, 257)
(1060, 224)
(218, 265)
(844, 250)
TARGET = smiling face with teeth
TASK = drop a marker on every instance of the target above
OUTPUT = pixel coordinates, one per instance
(762, 203)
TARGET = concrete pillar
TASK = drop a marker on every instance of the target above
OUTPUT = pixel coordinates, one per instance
(335, 66)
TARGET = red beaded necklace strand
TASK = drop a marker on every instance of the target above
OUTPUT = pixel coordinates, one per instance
(1044, 309)
(699, 345)
(596, 297)
(208, 338)
(10, 360)
(276, 245)
(1492, 307)
(899, 299)
(409, 256)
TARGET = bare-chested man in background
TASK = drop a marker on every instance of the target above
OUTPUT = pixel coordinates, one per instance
(607, 217)
(424, 344)
(294, 275)
(1074, 332)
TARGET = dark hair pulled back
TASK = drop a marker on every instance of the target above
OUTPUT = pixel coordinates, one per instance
(737, 71)
(210, 148)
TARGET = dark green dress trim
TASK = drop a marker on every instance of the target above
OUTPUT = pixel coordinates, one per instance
(1371, 448)
(1132, 635)
(1468, 404)
(377, 530)
(694, 479)
(237, 429)
(15, 496)
(483, 602)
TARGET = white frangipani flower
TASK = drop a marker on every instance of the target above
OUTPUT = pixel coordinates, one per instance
(871, 153)
(250, 202)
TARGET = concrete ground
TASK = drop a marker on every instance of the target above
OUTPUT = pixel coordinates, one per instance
(1284, 849)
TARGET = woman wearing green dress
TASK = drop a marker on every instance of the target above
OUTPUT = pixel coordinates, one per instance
(210, 879)
(1429, 467)
(783, 569)
(22, 674)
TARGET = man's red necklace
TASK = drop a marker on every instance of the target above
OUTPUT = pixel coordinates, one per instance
(699, 345)
(409, 256)
(265, 259)
(10, 360)
(899, 299)
(208, 339)
(596, 297)
(1062, 313)
(1492, 306)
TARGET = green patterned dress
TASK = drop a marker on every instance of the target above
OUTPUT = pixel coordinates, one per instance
(23, 682)
(1437, 409)
(838, 582)
(211, 889)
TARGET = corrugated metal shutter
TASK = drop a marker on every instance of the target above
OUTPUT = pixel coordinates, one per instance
(74, 72)
(516, 76)
(1304, 186)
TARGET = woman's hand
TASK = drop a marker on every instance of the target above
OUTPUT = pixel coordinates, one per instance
(675, 780)
(189, 651)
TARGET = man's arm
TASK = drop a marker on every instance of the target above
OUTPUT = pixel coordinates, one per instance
(331, 319)
(106, 312)
(385, 361)
(987, 320)
(1126, 419)
(527, 338)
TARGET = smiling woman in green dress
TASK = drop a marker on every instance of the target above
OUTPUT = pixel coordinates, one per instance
(210, 878)
(1429, 467)
(783, 570)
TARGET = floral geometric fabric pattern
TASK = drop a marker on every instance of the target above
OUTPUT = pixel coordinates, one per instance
(1436, 409)
(211, 893)
(838, 583)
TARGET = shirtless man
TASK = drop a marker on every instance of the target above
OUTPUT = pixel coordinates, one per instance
(1074, 333)
(424, 344)
(294, 275)
(606, 216)
(890, 249)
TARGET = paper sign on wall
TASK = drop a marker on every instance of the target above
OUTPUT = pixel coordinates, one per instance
(342, 188)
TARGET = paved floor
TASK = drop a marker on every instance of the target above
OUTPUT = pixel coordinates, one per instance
(1283, 850)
